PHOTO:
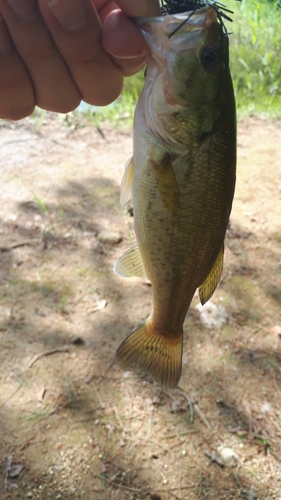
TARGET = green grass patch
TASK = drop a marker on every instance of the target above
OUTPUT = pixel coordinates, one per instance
(41, 204)
(255, 56)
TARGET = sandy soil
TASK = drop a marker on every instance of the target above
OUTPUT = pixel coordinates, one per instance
(72, 425)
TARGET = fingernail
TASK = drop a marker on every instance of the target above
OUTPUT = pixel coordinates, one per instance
(71, 14)
(140, 56)
(6, 46)
(26, 10)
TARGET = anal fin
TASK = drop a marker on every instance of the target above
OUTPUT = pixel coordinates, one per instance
(208, 287)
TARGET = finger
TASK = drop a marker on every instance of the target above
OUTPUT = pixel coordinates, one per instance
(16, 91)
(123, 41)
(53, 85)
(140, 8)
(77, 31)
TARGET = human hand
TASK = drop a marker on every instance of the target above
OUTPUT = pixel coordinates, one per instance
(55, 53)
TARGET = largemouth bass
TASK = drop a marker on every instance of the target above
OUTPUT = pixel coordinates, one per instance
(182, 177)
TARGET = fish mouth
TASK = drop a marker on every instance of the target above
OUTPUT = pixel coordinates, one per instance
(195, 20)
(192, 20)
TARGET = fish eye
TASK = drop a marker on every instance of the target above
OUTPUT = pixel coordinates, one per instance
(209, 57)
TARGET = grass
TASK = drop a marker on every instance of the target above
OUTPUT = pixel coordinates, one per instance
(254, 59)
(40, 203)
(254, 56)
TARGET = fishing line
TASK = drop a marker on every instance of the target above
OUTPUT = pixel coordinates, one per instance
(178, 7)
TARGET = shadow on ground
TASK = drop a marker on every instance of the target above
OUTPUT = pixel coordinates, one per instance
(80, 427)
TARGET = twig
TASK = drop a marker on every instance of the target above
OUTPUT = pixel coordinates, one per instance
(182, 433)
(118, 417)
(89, 411)
(27, 443)
(180, 473)
(175, 489)
(99, 398)
(182, 393)
(110, 460)
(11, 395)
(200, 486)
(64, 348)
(137, 490)
(90, 457)
(85, 419)
(175, 496)
(22, 244)
(185, 396)
(118, 485)
(165, 448)
(196, 409)
(89, 379)
(201, 416)
(177, 444)
(236, 479)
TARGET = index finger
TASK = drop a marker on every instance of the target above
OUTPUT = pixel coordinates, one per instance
(76, 29)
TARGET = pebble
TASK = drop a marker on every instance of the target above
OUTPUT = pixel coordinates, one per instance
(265, 407)
(109, 237)
(228, 456)
(211, 315)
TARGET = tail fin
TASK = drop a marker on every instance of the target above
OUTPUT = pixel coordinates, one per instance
(152, 353)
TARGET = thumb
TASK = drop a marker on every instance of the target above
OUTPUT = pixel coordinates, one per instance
(122, 40)
(140, 8)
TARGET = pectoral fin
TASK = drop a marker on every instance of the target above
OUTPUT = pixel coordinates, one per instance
(208, 287)
(167, 183)
(130, 264)
(126, 184)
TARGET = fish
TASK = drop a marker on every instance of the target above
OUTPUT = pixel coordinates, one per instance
(181, 178)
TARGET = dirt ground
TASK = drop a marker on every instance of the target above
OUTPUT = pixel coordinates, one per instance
(74, 426)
